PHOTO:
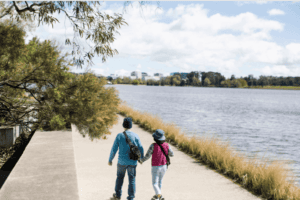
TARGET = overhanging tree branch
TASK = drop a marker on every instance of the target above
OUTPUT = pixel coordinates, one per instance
(103, 26)
(29, 8)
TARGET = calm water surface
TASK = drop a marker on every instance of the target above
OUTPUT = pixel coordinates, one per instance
(254, 121)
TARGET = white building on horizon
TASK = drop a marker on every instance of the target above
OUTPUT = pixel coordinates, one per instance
(155, 78)
(158, 74)
(144, 74)
(135, 75)
(115, 76)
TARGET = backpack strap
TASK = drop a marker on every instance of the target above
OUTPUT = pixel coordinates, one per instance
(162, 149)
(167, 156)
(127, 139)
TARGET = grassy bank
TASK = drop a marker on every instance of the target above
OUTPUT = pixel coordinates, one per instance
(277, 87)
(270, 181)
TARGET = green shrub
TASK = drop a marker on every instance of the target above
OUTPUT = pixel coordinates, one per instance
(135, 82)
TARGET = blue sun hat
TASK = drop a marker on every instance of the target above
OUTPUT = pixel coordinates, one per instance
(127, 123)
(159, 135)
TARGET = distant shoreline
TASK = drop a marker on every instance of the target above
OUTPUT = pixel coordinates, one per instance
(266, 87)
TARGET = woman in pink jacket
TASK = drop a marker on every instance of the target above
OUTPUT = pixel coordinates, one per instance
(159, 161)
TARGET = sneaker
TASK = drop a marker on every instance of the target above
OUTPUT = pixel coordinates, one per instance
(155, 197)
(115, 197)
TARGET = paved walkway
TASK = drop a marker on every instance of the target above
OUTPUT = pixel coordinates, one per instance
(45, 171)
(186, 179)
(62, 165)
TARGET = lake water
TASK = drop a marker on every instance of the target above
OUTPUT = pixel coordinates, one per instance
(254, 121)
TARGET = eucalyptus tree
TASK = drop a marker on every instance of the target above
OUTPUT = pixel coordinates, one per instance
(36, 87)
(175, 80)
(207, 82)
(196, 82)
(192, 75)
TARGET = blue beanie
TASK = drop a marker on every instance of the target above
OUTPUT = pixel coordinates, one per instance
(127, 122)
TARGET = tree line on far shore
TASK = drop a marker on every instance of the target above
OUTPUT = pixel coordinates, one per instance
(213, 79)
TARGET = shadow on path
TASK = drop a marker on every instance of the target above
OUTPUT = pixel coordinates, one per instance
(12, 161)
(9, 165)
(3, 177)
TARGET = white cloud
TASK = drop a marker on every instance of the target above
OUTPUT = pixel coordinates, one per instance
(123, 72)
(101, 71)
(260, 2)
(278, 70)
(276, 12)
(193, 40)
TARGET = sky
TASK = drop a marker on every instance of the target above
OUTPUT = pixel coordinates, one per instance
(230, 37)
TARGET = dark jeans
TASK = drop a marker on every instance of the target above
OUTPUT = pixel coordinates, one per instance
(131, 171)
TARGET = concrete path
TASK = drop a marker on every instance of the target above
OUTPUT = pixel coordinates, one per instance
(186, 179)
(45, 171)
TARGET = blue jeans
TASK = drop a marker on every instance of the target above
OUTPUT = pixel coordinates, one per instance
(121, 170)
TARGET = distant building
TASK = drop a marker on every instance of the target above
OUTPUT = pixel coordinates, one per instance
(112, 76)
(137, 74)
(158, 74)
(183, 75)
(9, 134)
(132, 77)
(155, 78)
(144, 74)
(145, 78)
(99, 75)
(174, 73)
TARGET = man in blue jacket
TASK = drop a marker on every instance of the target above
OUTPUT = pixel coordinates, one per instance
(124, 162)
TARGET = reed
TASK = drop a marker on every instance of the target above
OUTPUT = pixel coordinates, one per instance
(265, 178)
(277, 87)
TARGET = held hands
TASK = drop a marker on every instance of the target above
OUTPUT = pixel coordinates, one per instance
(110, 163)
(140, 161)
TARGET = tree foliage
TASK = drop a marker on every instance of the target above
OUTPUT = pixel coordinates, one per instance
(95, 27)
(218, 80)
(36, 88)
(135, 82)
(195, 81)
(166, 80)
(207, 82)
(215, 78)
(175, 80)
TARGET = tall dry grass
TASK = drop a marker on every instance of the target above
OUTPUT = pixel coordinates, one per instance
(277, 87)
(270, 180)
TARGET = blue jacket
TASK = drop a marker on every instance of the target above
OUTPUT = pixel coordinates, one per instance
(124, 150)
